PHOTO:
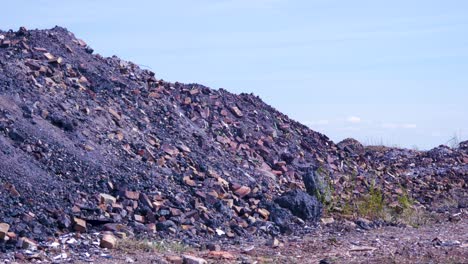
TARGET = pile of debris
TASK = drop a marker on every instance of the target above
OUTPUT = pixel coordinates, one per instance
(433, 177)
(97, 144)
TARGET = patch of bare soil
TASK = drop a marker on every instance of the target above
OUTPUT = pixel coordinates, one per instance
(444, 242)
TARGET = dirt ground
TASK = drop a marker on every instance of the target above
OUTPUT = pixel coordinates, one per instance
(436, 243)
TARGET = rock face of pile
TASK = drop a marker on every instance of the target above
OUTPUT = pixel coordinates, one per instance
(94, 143)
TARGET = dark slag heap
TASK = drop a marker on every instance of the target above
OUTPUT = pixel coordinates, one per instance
(89, 143)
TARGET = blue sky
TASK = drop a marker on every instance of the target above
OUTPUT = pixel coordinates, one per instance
(393, 72)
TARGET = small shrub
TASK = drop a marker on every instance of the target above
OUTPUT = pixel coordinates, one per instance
(372, 205)
(404, 201)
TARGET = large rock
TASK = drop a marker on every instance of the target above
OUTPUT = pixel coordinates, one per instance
(282, 218)
(301, 205)
(315, 181)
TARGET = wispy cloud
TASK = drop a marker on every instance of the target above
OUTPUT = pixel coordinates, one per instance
(354, 119)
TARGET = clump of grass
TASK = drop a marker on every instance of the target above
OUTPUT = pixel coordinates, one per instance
(447, 203)
(405, 201)
(347, 209)
(372, 205)
(409, 213)
(132, 245)
(414, 216)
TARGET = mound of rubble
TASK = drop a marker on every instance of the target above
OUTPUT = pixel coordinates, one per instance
(89, 143)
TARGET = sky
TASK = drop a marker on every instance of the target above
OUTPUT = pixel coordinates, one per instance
(383, 72)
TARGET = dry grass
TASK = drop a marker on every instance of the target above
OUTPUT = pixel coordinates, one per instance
(136, 245)
(374, 206)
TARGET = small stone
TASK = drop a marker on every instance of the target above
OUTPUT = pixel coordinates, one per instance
(6, 43)
(175, 259)
(363, 248)
(327, 221)
(220, 232)
(115, 114)
(107, 199)
(248, 250)
(151, 227)
(264, 213)
(364, 223)
(129, 260)
(170, 150)
(14, 192)
(213, 247)
(221, 255)
(81, 42)
(189, 181)
(4, 227)
(39, 49)
(132, 195)
(166, 225)
(452, 243)
(349, 225)
(29, 244)
(326, 261)
(19, 256)
(121, 235)
(58, 60)
(175, 211)
(193, 260)
(243, 191)
(274, 243)
(49, 56)
(12, 235)
(144, 199)
(139, 218)
(236, 111)
(80, 225)
(114, 227)
(108, 241)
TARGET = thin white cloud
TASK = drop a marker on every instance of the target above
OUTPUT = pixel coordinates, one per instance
(354, 119)
(409, 126)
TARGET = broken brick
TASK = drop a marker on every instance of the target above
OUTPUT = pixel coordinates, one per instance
(108, 241)
(107, 199)
(80, 225)
(4, 227)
